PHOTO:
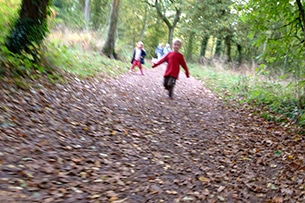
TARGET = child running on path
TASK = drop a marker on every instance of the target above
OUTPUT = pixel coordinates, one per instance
(174, 59)
(138, 57)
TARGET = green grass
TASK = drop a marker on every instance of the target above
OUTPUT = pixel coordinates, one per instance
(275, 101)
(223, 82)
(8, 11)
(84, 63)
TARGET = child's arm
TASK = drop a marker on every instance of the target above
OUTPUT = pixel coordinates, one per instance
(143, 53)
(184, 66)
(162, 60)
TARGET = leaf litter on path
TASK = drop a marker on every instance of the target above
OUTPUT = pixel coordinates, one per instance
(119, 140)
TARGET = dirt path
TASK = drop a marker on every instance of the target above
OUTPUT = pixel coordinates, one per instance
(120, 140)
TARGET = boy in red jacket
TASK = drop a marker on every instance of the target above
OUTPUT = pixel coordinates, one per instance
(174, 59)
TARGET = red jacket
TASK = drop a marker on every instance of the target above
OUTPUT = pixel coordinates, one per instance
(174, 60)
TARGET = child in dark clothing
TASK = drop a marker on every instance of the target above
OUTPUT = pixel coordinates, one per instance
(174, 59)
(138, 57)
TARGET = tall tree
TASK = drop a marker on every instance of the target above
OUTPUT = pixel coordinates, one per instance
(204, 44)
(277, 30)
(30, 28)
(138, 23)
(169, 11)
(72, 12)
(224, 30)
(145, 23)
(189, 48)
(218, 48)
(99, 13)
(302, 18)
(203, 18)
(109, 46)
(87, 14)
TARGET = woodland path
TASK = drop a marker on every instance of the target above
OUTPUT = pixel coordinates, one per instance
(119, 140)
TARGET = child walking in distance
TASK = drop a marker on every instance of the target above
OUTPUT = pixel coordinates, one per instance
(174, 59)
(159, 51)
(167, 49)
(138, 57)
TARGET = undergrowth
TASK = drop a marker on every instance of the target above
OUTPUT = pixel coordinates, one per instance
(273, 100)
(85, 62)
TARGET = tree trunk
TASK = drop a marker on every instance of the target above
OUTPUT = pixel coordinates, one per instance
(109, 47)
(240, 56)
(146, 18)
(87, 14)
(170, 34)
(228, 46)
(171, 26)
(302, 14)
(204, 44)
(218, 48)
(189, 48)
(34, 9)
(301, 101)
(30, 28)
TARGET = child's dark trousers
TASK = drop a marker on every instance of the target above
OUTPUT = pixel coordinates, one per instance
(169, 84)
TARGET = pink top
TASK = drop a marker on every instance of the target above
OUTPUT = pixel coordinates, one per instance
(174, 60)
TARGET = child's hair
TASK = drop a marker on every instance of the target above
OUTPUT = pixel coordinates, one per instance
(140, 43)
(177, 40)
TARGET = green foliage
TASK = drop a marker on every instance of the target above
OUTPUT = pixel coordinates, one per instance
(132, 23)
(29, 30)
(26, 36)
(99, 15)
(217, 80)
(9, 14)
(71, 13)
(273, 100)
(83, 63)
(19, 64)
(13, 64)
(275, 28)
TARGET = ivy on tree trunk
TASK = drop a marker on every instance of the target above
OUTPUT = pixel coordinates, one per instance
(30, 28)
